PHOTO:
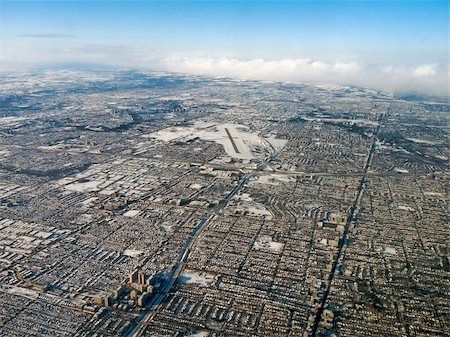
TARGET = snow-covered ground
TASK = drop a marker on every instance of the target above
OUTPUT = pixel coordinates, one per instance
(265, 242)
(203, 333)
(401, 170)
(87, 186)
(278, 144)
(390, 250)
(405, 208)
(433, 194)
(200, 278)
(273, 179)
(11, 120)
(4, 153)
(132, 252)
(131, 213)
(421, 141)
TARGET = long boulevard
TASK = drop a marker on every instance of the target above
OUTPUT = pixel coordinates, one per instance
(183, 257)
(350, 219)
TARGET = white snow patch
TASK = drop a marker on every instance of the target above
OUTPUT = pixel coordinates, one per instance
(253, 211)
(4, 153)
(265, 242)
(11, 120)
(166, 227)
(203, 333)
(433, 194)
(278, 144)
(421, 141)
(201, 278)
(401, 170)
(273, 179)
(131, 213)
(132, 252)
(88, 186)
(390, 250)
(89, 201)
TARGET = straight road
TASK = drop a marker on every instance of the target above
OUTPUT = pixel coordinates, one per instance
(183, 257)
(350, 218)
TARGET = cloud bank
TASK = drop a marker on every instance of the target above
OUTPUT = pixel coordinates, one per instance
(428, 78)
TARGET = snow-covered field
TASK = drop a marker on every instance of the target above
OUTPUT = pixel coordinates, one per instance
(274, 179)
(11, 120)
(131, 213)
(200, 278)
(433, 194)
(405, 208)
(4, 153)
(132, 252)
(203, 333)
(421, 141)
(278, 144)
(265, 242)
(390, 250)
(401, 170)
(87, 186)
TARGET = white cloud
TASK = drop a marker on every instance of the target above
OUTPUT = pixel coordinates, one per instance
(425, 70)
(430, 78)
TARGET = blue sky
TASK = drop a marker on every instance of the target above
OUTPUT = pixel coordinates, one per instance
(398, 35)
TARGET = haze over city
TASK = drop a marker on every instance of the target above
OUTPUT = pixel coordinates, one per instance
(390, 45)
